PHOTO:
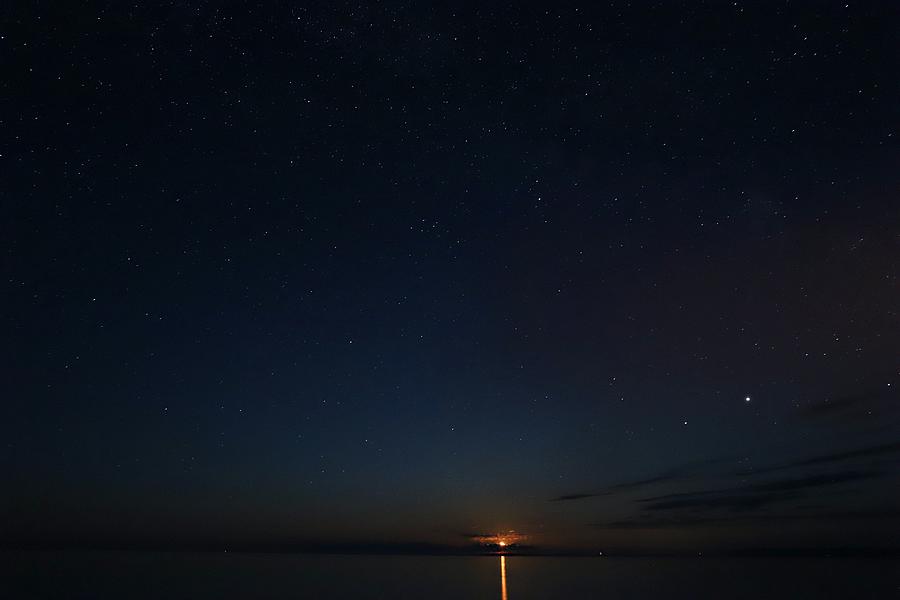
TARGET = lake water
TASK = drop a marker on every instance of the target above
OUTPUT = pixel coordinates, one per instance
(198, 576)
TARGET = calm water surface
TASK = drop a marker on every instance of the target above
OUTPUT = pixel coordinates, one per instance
(232, 576)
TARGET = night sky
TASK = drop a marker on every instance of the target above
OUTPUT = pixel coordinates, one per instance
(617, 277)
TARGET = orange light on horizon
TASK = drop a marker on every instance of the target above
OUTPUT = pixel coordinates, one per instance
(502, 541)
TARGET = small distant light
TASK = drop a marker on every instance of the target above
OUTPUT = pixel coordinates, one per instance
(501, 544)
(747, 399)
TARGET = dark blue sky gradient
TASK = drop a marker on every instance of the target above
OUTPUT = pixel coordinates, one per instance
(352, 275)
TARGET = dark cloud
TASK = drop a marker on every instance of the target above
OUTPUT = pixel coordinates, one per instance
(859, 404)
(867, 452)
(852, 409)
(737, 502)
(659, 523)
(653, 522)
(683, 472)
(772, 486)
(813, 481)
(829, 407)
(751, 497)
(619, 487)
(645, 482)
(575, 497)
(692, 494)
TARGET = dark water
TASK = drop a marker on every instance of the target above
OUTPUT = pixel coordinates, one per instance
(232, 576)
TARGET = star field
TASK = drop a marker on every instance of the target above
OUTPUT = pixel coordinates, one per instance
(617, 276)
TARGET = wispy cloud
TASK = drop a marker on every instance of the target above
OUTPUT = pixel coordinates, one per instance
(737, 502)
(861, 405)
(751, 497)
(619, 487)
(824, 459)
(690, 520)
(679, 473)
(566, 497)
(813, 481)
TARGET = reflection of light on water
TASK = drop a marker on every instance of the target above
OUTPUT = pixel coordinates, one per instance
(503, 595)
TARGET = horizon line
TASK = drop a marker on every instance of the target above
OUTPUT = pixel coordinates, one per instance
(429, 549)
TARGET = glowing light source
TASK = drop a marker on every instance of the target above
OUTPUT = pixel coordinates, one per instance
(500, 542)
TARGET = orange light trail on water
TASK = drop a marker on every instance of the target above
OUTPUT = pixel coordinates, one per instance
(503, 595)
